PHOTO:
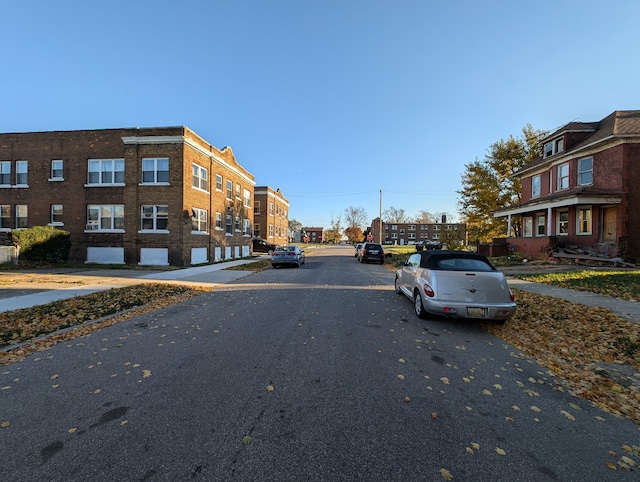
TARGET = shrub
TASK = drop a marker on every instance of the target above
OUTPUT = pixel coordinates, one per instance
(42, 243)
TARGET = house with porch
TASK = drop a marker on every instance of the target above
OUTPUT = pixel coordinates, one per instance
(582, 192)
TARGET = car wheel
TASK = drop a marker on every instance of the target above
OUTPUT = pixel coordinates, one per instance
(397, 286)
(270, 252)
(418, 306)
(274, 266)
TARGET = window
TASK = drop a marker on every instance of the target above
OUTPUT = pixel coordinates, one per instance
(563, 176)
(256, 207)
(246, 227)
(229, 227)
(154, 218)
(57, 173)
(435, 236)
(218, 182)
(401, 231)
(200, 178)
(584, 220)
(271, 209)
(535, 186)
(106, 171)
(412, 227)
(5, 173)
(105, 217)
(585, 171)
(559, 145)
(238, 191)
(5, 216)
(229, 190)
(155, 171)
(247, 198)
(238, 223)
(436, 227)
(271, 230)
(56, 214)
(527, 227)
(548, 149)
(199, 220)
(21, 216)
(394, 227)
(563, 222)
(219, 221)
(541, 225)
(22, 169)
(256, 230)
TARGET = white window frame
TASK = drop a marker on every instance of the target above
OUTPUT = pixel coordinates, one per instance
(246, 227)
(219, 226)
(158, 214)
(584, 220)
(247, 198)
(219, 183)
(57, 211)
(582, 172)
(238, 191)
(22, 173)
(229, 225)
(116, 217)
(22, 216)
(271, 230)
(199, 220)
(159, 175)
(230, 190)
(535, 186)
(5, 217)
(199, 177)
(117, 175)
(256, 207)
(57, 170)
(271, 209)
(5, 173)
(541, 224)
(563, 177)
(256, 230)
(562, 223)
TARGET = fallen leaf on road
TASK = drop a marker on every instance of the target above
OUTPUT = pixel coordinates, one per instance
(445, 474)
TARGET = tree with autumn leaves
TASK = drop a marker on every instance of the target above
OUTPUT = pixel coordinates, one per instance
(489, 185)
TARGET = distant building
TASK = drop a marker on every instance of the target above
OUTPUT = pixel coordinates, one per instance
(150, 196)
(270, 215)
(412, 233)
(316, 235)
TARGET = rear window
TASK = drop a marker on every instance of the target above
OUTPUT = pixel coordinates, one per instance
(463, 264)
(373, 246)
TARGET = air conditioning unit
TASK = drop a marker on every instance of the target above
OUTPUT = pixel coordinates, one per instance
(91, 227)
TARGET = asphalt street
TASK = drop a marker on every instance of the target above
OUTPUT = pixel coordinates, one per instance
(318, 373)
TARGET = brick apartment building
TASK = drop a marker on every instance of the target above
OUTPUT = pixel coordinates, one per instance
(149, 196)
(270, 215)
(315, 235)
(413, 233)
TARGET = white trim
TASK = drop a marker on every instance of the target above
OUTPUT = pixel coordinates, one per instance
(570, 201)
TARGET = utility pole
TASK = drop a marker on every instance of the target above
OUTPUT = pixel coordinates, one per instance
(380, 219)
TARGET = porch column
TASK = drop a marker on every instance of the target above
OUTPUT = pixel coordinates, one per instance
(509, 226)
(549, 225)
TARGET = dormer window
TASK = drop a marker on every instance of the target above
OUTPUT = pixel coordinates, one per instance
(553, 147)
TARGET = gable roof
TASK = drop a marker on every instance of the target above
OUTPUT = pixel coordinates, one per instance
(620, 123)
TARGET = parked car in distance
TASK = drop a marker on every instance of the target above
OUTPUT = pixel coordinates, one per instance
(358, 248)
(287, 255)
(371, 252)
(262, 246)
(455, 284)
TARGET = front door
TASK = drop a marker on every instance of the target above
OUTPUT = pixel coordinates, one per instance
(609, 225)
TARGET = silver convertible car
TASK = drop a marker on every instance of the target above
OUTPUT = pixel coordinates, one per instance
(456, 284)
(287, 255)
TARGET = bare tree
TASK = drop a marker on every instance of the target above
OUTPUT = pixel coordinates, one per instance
(424, 217)
(355, 217)
(334, 235)
(396, 216)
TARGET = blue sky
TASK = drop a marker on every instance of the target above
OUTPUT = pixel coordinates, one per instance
(330, 101)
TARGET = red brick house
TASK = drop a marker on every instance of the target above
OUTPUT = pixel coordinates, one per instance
(315, 234)
(582, 191)
(270, 215)
(413, 233)
(150, 196)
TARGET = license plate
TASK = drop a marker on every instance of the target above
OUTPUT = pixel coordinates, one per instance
(476, 312)
(374, 251)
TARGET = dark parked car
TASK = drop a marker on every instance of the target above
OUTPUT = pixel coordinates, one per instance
(371, 252)
(456, 284)
(262, 246)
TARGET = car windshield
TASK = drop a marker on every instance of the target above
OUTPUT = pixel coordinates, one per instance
(286, 248)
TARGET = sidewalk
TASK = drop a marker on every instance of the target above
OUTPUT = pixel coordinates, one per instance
(629, 310)
(80, 283)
